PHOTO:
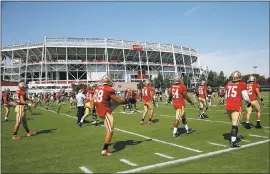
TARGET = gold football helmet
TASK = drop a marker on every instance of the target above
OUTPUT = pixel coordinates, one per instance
(236, 76)
(252, 78)
(177, 80)
(22, 85)
(147, 83)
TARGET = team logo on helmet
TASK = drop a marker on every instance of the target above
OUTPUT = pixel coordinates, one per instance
(236, 76)
(252, 78)
(22, 85)
(106, 80)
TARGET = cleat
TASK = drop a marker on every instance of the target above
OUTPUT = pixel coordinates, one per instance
(6, 120)
(106, 153)
(16, 137)
(80, 124)
(258, 126)
(189, 131)
(177, 134)
(141, 122)
(248, 126)
(149, 122)
(31, 134)
(234, 145)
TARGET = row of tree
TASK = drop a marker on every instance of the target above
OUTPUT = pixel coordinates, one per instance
(214, 80)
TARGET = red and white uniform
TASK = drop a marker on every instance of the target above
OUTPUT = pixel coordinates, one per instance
(102, 99)
(89, 95)
(58, 96)
(20, 93)
(146, 94)
(251, 88)
(177, 95)
(5, 97)
(234, 95)
(221, 92)
(202, 90)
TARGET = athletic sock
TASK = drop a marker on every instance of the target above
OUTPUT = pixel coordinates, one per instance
(233, 139)
(174, 130)
(186, 126)
(258, 122)
(150, 119)
(247, 122)
(5, 118)
(105, 146)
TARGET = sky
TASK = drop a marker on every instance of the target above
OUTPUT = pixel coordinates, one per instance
(229, 36)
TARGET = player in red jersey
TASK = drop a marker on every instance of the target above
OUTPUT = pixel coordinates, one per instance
(254, 92)
(178, 94)
(127, 96)
(7, 102)
(148, 100)
(20, 110)
(88, 106)
(46, 99)
(236, 91)
(203, 105)
(102, 102)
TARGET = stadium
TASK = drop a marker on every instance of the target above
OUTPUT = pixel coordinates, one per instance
(65, 61)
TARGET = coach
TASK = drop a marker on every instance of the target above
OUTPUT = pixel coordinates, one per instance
(80, 97)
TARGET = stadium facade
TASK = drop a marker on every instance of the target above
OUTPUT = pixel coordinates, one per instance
(68, 60)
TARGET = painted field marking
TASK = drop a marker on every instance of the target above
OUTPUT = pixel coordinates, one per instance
(215, 144)
(139, 135)
(191, 158)
(164, 142)
(267, 131)
(253, 135)
(246, 141)
(85, 170)
(165, 156)
(128, 162)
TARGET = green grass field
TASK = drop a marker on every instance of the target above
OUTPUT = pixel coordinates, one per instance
(60, 146)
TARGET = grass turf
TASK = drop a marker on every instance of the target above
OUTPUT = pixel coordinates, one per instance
(61, 146)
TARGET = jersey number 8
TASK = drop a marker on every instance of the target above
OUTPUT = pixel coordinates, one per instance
(98, 96)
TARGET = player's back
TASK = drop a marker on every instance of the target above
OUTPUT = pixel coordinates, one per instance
(146, 93)
(251, 87)
(177, 92)
(234, 95)
(102, 99)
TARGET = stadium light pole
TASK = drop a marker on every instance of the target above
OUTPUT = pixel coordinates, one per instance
(255, 67)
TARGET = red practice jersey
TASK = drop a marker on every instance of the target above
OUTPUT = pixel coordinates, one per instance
(102, 99)
(234, 95)
(177, 95)
(146, 93)
(89, 95)
(58, 95)
(5, 97)
(20, 93)
(202, 90)
(251, 87)
(128, 95)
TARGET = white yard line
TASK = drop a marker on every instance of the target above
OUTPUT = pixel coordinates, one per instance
(191, 158)
(267, 131)
(165, 156)
(246, 141)
(128, 162)
(215, 144)
(139, 135)
(253, 135)
(164, 142)
(85, 170)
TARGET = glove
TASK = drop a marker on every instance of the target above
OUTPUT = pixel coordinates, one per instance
(262, 102)
(248, 105)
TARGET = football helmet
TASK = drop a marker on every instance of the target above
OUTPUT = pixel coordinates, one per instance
(252, 78)
(22, 86)
(147, 83)
(177, 80)
(236, 76)
(203, 82)
(106, 80)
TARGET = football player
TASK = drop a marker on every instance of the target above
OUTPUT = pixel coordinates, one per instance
(20, 111)
(102, 102)
(203, 105)
(148, 95)
(235, 92)
(88, 106)
(221, 94)
(254, 92)
(178, 94)
(72, 100)
(209, 95)
(7, 101)
(60, 99)
(46, 100)
(127, 96)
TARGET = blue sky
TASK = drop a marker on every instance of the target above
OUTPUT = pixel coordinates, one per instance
(228, 35)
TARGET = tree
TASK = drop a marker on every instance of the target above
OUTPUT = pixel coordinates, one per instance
(221, 79)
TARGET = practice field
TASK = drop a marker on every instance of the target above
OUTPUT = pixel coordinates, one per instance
(60, 146)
